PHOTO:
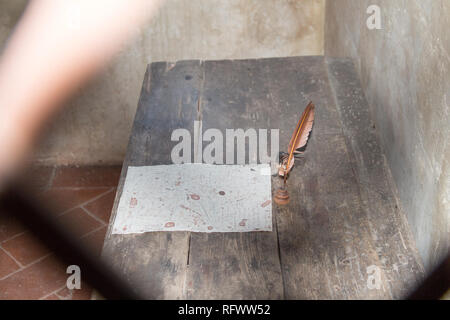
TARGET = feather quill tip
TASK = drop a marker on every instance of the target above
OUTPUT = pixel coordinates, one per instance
(298, 140)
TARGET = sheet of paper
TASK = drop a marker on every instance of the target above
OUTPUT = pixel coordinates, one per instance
(195, 197)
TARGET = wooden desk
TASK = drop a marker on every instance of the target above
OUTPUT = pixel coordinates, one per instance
(342, 224)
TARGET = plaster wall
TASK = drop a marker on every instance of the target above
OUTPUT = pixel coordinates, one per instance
(404, 69)
(95, 125)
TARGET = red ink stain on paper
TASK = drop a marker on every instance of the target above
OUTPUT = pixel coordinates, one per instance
(266, 203)
(178, 183)
(195, 196)
(210, 228)
(169, 224)
(133, 202)
(124, 228)
(189, 209)
(242, 223)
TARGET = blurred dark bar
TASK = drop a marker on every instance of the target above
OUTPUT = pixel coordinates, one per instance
(61, 240)
(435, 285)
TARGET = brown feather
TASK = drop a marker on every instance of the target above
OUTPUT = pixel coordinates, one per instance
(299, 138)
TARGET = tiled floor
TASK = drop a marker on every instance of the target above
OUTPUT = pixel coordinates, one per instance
(84, 197)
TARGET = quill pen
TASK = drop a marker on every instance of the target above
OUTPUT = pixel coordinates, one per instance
(298, 140)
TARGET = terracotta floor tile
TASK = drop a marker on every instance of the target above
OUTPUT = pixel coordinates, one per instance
(64, 199)
(102, 206)
(25, 248)
(79, 222)
(7, 265)
(92, 176)
(35, 281)
(69, 188)
(9, 226)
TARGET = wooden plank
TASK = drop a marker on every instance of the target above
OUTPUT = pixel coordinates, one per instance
(388, 226)
(155, 263)
(234, 265)
(322, 240)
